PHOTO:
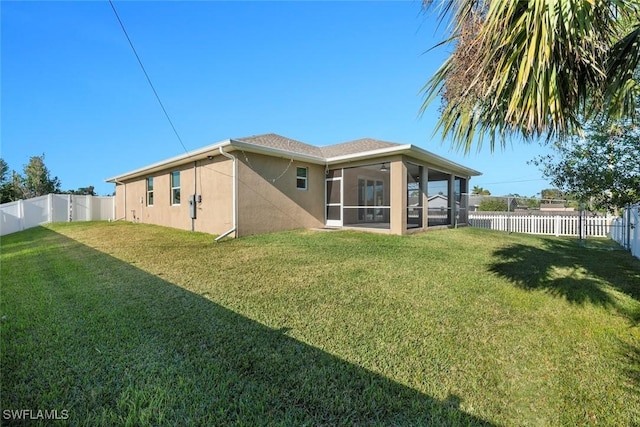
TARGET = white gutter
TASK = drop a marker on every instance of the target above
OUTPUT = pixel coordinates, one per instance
(195, 196)
(234, 177)
(199, 154)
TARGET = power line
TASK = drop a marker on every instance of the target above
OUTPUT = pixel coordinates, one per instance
(147, 75)
(509, 182)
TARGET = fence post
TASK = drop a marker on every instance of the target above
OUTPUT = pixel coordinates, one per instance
(628, 233)
(509, 227)
(635, 245)
(50, 206)
(556, 226)
(21, 213)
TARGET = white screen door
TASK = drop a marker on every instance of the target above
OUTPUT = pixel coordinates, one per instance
(333, 210)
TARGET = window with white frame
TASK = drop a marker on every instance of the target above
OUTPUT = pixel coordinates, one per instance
(175, 188)
(302, 179)
(150, 191)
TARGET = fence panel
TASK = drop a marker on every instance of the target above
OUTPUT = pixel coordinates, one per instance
(556, 225)
(11, 218)
(36, 211)
(23, 214)
(81, 208)
(626, 230)
(617, 230)
(101, 208)
(60, 207)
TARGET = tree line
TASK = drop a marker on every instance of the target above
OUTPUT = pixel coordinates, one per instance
(35, 180)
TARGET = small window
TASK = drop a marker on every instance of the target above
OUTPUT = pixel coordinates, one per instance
(150, 191)
(301, 178)
(175, 188)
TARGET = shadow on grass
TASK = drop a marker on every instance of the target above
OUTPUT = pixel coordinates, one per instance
(578, 274)
(585, 274)
(114, 344)
(632, 366)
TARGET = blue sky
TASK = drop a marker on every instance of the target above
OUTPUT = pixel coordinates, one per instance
(320, 72)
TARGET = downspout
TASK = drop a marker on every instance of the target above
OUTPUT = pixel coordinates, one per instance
(125, 200)
(195, 192)
(234, 197)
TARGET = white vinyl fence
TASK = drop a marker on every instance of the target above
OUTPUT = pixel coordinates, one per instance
(554, 225)
(626, 230)
(23, 214)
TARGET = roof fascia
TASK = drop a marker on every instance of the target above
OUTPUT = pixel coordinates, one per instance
(441, 161)
(364, 155)
(212, 150)
(200, 154)
(407, 149)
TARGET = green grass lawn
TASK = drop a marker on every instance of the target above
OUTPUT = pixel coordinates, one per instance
(121, 323)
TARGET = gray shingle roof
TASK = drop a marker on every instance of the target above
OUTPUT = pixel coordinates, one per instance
(279, 142)
(358, 146)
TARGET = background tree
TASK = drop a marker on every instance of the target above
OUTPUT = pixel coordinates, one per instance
(479, 191)
(7, 190)
(550, 194)
(493, 204)
(36, 180)
(534, 68)
(4, 170)
(602, 169)
(528, 202)
(83, 191)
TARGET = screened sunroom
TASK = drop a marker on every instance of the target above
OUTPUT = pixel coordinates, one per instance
(359, 196)
(400, 196)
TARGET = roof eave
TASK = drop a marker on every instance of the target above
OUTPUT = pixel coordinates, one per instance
(234, 144)
(445, 163)
(200, 154)
(213, 150)
(365, 155)
(411, 150)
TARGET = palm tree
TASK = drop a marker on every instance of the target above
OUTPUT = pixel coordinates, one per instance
(534, 68)
(480, 191)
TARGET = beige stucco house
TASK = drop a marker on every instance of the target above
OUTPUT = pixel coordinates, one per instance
(268, 183)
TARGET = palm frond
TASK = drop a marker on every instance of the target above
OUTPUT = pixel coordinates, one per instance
(537, 65)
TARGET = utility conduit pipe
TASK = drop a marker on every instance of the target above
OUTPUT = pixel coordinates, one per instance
(234, 198)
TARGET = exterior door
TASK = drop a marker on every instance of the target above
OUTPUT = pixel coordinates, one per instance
(333, 211)
(370, 195)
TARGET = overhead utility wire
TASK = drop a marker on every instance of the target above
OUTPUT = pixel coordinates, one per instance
(147, 75)
(509, 182)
